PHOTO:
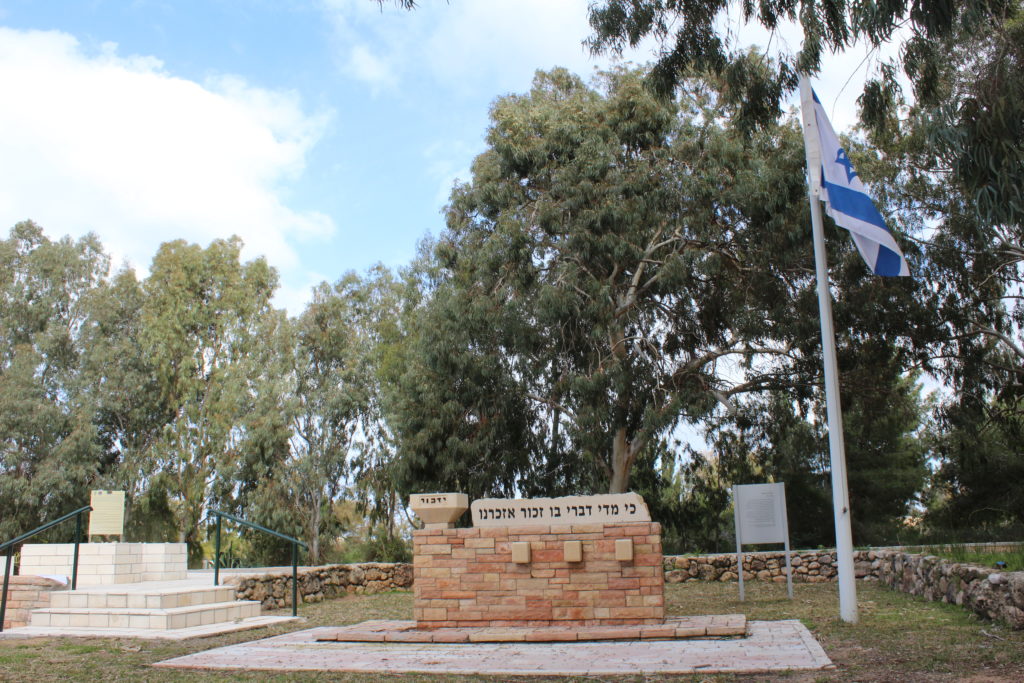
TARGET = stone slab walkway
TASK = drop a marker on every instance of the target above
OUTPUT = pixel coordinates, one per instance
(769, 646)
(393, 631)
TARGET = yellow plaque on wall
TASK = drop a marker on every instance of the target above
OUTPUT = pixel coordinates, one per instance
(107, 516)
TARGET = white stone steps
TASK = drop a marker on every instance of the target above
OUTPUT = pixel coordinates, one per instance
(148, 634)
(144, 617)
(103, 598)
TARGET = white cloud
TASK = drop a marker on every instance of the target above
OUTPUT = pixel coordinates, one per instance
(116, 145)
(463, 47)
(370, 68)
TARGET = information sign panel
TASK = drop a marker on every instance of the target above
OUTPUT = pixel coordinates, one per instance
(760, 512)
(107, 516)
(760, 509)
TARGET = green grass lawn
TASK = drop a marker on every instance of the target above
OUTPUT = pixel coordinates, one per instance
(1014, 559)
(899, 638)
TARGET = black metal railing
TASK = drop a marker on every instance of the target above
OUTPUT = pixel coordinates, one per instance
(295, 552)
(9, 547)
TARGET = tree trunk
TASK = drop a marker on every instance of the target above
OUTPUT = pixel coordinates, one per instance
(621, 462)
(314, 538)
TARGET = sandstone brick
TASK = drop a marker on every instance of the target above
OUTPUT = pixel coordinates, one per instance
(436, 549)
(434, 614)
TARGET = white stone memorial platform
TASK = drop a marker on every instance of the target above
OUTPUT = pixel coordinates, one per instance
(140, 590)
(104, 564)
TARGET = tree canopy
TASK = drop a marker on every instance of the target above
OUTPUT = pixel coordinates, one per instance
(974, 101)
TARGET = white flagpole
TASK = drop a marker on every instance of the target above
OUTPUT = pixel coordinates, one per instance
(837, 455)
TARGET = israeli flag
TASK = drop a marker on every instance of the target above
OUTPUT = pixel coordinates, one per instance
(848, 203)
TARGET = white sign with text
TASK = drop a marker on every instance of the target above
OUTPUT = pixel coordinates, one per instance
(760, 512)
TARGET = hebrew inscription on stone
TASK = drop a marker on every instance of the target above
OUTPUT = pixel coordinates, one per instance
(438, 509)
(606, 508)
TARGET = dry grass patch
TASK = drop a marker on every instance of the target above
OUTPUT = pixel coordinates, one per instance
(899, 638)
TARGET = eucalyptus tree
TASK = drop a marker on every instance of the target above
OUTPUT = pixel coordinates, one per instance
(331, 397)
(49, 446)
(619, 263)
(201, 320)
(129, 410)
(976, 122)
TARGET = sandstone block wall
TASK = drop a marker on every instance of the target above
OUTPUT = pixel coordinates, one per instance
(318, 583)
(24, 594)
(466, 577)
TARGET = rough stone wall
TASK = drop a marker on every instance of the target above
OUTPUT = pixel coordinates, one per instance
(24, 594)
(317, 583)
(467, 577)
(988, 593)
(810, 566)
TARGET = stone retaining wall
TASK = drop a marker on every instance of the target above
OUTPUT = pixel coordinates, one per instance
(24, 594)
(811, 566)
(315, 584)
(987, 593)
(984, 591)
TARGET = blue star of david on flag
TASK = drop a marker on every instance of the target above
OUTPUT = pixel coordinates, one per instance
(844, 160)
(848, 203)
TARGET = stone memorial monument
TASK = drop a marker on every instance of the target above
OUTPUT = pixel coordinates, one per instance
(574, 561)
(107, 563)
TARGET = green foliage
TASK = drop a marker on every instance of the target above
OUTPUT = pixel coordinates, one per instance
(201, 325)
(380, 544)
(49, 446)
(974, 100)
(619, 266)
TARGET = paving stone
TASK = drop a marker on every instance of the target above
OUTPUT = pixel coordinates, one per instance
(769, 646)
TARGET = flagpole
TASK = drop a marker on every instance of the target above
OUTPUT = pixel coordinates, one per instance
(837, 454)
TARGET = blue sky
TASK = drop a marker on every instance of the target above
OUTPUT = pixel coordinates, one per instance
(325, 133)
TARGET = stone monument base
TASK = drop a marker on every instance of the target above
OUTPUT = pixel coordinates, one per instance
(101, 564)
(539, 575)
(673, 628)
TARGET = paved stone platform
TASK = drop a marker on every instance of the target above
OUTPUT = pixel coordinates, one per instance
(769, 646)
(673, 628)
